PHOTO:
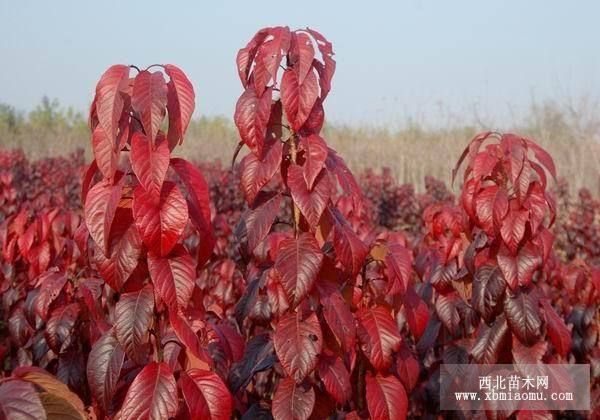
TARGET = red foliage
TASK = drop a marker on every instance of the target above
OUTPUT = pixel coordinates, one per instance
(278, 288)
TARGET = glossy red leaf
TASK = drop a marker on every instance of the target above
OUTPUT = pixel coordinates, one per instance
(133, 318)
(206, 396)
(386, 397)
(513, 228)
(335, 377)
(184, 330)
(298, 263)
(152, 394)
(245, 56)
(378, 335)
(160, 221)
(398, 263)
(416, 311)
(350, 250)
(256, 223)
(251, 117)
(125, 248)
(490, 341)
(60, 324)
(407, 367)
(489, 288)
(269, 56)
(291, 401)
(109, 100)
(51, 284)
(521, 310)
(518, 270)
(315, 154)
(104, 368)
(19, 400)
(173, 276)
(99, 209)
(559, 334)
(180, 103)
(298, 344)
(105, 153)
(339, 320)
(328, 69)
(298, 98)
(149, 100)
(150, 163)
(312, 203)
(256, 172)
(491, 206)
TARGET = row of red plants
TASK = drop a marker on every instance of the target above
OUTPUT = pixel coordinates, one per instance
(285, 287)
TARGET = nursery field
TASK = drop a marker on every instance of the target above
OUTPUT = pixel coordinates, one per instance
(263, 270)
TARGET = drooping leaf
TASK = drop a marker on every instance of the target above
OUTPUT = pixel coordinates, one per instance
(109, 102)
(133, 317)
(386, 397)
(513, 228)
(491, 206)
(340, 320)
(312, 203)
(446, 309)
(298, 263)
(416, 311)
(180, 104)
(518, 270)
(315, 153)
(257, 172)
(298, 343)
(559, 334)
(173, 276)
(291, 401)
(256, 223)
(149, 99)
(528, 355)
(335, 377)
(187, 334)
(99, 210)
(251, 117)
(350, 250)
(521, 310)
(490, 341)
(488, 291)
(19, 401)
(160, 222)
(51, 284)
(398, 263)
(152, 394)
(59, 326)
(298, 98)
(105, 153)
(206, 395)
(378, 335)
(407, 367)
(149, 163)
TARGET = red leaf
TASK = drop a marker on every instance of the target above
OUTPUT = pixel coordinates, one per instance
(105, 155)
(312, 203)
(528, 355)
(489, 289)
(349, 248)
(59, 326)
(256, 173)
(298, 344)
(173, 276)
(298, 99)
(340, 320)
(150, 163)
(104, 368)
(52, 283)
(521, 312)
(315, 153)
(306, 53)
(206, 395)
(125, 248)
(335, 377)
(328, 69)
(180, 103)
(99, 209)
(149, 99)
(160, 222)
(19, 400)
(490, 341)
(542, 156)
(518, 270)
(378, 335)
(407, 367)
(417, 312)
(152, 394)
(491, 206)
(559, 334)
(513, 228)
(386, 397)
(269, 56)
(256, 223)
(187, 335)
(133, 318)
(398, 263)
(246, 55)
(251, 117)
(298, 263)
(109, 102)
(291, 401)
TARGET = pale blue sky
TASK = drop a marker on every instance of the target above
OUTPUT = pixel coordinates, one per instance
(395, 59)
